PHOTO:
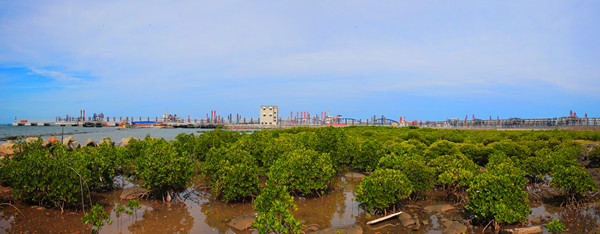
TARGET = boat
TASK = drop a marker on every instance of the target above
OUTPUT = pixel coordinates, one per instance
(144, 123)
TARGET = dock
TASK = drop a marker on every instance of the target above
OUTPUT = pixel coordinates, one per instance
(238, 122)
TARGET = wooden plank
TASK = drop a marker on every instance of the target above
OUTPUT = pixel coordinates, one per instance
(384, 218)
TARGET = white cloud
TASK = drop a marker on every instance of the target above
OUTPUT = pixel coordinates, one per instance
(54, 75)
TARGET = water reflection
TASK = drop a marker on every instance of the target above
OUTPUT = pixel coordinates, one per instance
(218, 214)
(165, 218)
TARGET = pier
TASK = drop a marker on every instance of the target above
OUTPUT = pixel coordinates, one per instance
(239, 122)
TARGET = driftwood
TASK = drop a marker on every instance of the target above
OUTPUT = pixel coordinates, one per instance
(384, 218)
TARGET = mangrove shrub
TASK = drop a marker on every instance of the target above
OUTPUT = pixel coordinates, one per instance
(274, 206)
(383, 188)
(304, 171)
(161, 167)
(498, 195)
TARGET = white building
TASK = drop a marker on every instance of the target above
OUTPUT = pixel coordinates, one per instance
(268, 115)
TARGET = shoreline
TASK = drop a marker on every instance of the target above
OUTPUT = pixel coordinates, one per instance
(8, 138)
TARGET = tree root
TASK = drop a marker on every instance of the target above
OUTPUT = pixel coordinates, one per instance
(13, 206)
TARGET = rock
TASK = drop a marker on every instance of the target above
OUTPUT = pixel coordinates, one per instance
(45, 143)
(456, 228)
(67, 140)
(546, 219)
(354, 175)
(31, 139)
(53, 140)
(523, 230)
(311, 228)
(438, 208)
(125, 141)
(7, 149)
(73, 145)
(90, 143)
(132, 193)
(445, 222)
(242, 222)
(417, 224)
(595, 231)
(348, 229)
(406, 219)
(536, 221)
(107, 141)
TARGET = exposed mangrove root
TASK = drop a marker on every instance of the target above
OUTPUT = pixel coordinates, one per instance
(81, 186)
(13, 206)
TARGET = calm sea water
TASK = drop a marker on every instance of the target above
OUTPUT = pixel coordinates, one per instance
(81, 134)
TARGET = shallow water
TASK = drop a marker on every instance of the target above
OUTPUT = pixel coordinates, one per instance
(204, 215)
(81, 134)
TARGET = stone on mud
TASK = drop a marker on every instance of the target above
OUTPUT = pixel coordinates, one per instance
(523, 230)
(438, 208)
(90, 143)
(348, 229)
(132, 193)
(31, 139)
(71, 143)
(406, 219)
(354, 175)
(53, 140)
(67, 140)
(456, 228)
(107, 141)
(7, 149)
(125, 141)
(242, 222)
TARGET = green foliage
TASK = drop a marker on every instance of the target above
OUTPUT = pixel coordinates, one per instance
(513, 150)
(440, 148)
(555, 226)
(454, 171)
(133, 205)
(96, 218)
(185, 143)
(368, 156)
(237, 181)
(420, 175)
(233, 173)
(99, 171)
(539, 165)
(564, 157)
(256, 144)
(196, 147)
(162, 169)
(498, 194)
(304, 171)
(595, 154)
(383, 188)
(573, 180)
(414, 135)
(274, 206)
(477, 153)
(54, 176)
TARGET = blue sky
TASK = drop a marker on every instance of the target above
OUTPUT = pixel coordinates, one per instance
(426, 60)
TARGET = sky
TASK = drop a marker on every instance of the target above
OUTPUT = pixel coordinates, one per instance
(426, 60)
